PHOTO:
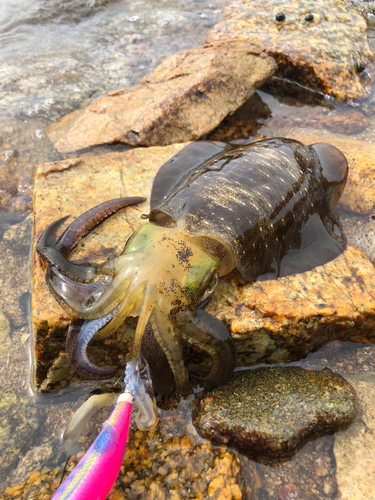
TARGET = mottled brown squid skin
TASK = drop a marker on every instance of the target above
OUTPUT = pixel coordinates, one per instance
(262, 202)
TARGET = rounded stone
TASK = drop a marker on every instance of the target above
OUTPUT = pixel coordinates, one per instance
(309, 17)
(280, 16)
(270, 413)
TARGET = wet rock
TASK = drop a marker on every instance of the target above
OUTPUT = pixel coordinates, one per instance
(19, 235)
(290, 492)
(355, 449)
(342, 357)
(282, 320)
(185, 98)
(285, 483)
(271, 321)
(349, 122)
(19, 421)
(7, 220)
(5, 340)
(243, 123)
(36, 457)
(310, 52)
(270, 413)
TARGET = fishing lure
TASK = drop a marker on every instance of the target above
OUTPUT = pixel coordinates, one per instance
(98, 469)
(267, 209)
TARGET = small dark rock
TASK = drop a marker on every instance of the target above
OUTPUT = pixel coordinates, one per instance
(280, 17)
(309, 17)
(360, 67)
(270, 413)
(24, 302)
(7, 220)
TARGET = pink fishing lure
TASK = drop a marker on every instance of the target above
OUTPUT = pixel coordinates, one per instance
(96, 473)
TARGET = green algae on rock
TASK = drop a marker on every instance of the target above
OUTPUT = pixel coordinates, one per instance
(19, 421)
(310, 52)
(270, 413)
(185, 98)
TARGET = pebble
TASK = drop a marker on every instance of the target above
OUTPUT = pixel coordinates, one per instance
(270, 413)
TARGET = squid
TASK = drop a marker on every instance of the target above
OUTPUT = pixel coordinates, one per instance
(267, 209)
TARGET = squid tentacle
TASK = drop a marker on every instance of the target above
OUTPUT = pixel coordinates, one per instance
(89, 300)
(210, 335)
(57, 253)
(143, 318)
(77, 341)
(122, 312)
(73, 295)
(166, 337)
(53, 255)
(86, 222)
(157, 362)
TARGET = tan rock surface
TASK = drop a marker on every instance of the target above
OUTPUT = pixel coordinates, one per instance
(310, 52)
(354, 449)
(271, 321)
(185, 97)
(359, 193)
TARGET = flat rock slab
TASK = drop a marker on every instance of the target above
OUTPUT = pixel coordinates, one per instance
(309, 52)
(185, 98)
(270, 413)
(72, 187)
(279, 321)
(271, 321)
(354, 450)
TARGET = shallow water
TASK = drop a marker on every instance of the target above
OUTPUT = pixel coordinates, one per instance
(57, 56)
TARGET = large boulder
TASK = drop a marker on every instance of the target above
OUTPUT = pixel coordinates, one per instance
(306, 40)
(184, 98)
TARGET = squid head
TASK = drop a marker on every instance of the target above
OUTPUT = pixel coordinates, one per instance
(161, 276)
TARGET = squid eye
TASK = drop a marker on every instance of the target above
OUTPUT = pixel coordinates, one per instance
(211, 287)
